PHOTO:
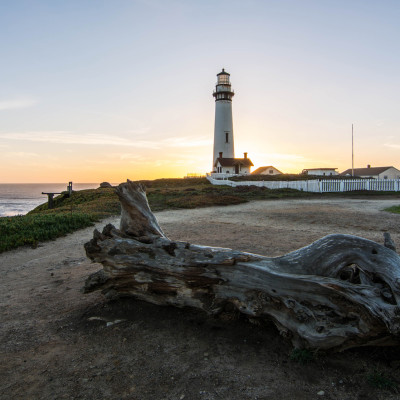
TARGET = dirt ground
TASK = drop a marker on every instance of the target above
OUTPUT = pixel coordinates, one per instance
(58, 343)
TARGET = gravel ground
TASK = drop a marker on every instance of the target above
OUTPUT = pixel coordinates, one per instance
(58, 343)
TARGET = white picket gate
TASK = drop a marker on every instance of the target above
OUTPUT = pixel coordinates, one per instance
(318, 186)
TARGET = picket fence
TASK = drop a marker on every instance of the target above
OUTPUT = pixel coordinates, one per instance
(319, 186)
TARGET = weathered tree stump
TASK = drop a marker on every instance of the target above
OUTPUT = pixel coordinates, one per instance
(339, 292)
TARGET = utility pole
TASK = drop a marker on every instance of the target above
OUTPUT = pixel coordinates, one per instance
(352, 151)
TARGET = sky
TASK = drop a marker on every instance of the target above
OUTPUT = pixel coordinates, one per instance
(96, 90)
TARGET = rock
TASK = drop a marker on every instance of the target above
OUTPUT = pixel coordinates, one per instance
(117, 321)
(105, 185)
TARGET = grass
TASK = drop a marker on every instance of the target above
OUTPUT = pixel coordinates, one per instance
(380, 380)
(161, 198)
(393, 209)
(97, 203)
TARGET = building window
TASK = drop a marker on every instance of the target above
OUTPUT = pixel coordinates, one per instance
(226, 137)
(385, 177)
(271, 171)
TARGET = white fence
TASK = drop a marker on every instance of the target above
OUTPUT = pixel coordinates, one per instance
(319, 186)
(216, 175)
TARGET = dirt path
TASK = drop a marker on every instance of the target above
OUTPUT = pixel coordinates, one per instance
(56, 342)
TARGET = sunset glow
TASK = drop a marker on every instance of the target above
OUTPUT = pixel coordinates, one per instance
(107, 91)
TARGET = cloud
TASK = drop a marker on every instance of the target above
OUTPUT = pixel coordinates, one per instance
(22, 154)
(17, 103)
(393, 146)
(67, 137)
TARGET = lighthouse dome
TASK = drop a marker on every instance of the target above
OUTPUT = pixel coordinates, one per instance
(223, 72)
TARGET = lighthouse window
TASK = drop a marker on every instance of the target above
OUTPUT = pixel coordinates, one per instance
(226, 137)
(223, 79)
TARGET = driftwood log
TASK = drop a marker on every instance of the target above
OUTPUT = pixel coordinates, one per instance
(339, 292)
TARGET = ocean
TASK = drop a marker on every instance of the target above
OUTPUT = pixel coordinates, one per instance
(20, 198)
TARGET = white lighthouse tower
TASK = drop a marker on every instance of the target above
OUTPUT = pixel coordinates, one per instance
(224, 161)
(223, 128)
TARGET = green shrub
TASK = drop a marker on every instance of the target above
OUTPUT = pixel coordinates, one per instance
(25, 230)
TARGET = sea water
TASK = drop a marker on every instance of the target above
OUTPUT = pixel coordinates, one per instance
(20, 198)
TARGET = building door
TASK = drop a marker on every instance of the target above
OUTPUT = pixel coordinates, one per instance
(236, 169)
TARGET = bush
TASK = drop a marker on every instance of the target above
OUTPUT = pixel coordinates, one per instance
(25, 230)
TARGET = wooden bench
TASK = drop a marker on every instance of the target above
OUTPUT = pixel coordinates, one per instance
(50, 195)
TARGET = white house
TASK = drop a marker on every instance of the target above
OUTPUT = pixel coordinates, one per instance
(320, 171)
(270, 170)
(374, 172)
(238, 166)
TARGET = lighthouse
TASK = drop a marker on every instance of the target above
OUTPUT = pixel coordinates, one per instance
(223, 127)
(224, 161)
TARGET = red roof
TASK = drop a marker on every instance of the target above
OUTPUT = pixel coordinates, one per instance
(231, 162)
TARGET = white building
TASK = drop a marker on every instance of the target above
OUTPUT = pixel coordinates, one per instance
(237, 166)
(224, 150)
(320, 171)
(374, 172)
(270, 170)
